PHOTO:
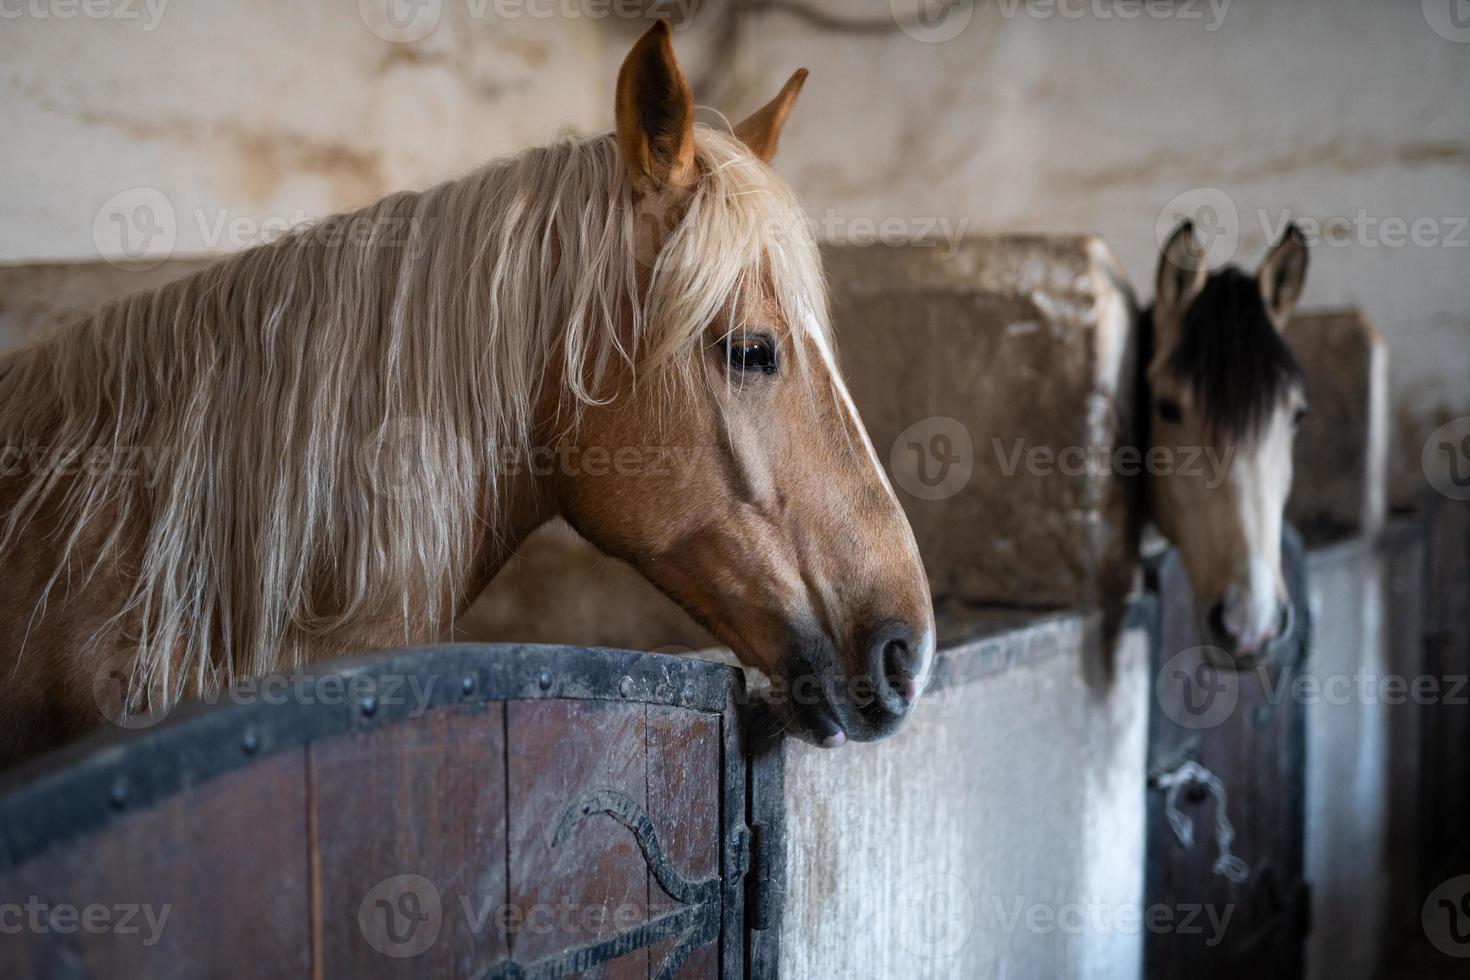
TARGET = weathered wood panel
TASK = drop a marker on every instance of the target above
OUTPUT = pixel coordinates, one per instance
(408, 831)
(210, 883)
(684, 805)
(592, 884)
(520, 806)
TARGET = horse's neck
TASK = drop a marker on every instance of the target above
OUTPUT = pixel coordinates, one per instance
(525, 506)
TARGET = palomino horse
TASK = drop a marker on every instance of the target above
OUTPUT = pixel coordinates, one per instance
(646, 294)
(1224, 387)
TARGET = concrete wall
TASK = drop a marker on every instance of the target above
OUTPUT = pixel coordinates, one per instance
(999, 834)
(1364, 750)
(1029, 115)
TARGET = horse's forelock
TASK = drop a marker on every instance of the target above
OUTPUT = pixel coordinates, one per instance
(1233, 356)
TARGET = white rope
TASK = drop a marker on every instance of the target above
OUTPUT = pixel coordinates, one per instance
(1228, 866)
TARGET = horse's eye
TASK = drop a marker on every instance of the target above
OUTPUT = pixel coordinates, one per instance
(1301, 413)
(751, 353)
(1169, 410)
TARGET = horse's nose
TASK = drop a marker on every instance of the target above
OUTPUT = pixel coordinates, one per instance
(1244, 637)
(893, 662)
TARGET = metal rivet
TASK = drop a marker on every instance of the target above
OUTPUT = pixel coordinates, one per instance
(467, 685)
(369, 706)
(625, 687)
(118, 794)
(250, 742)
(545, 681)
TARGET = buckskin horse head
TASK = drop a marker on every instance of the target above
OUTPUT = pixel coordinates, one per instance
(1225, 397)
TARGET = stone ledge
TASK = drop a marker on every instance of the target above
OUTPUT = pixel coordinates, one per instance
(1341, 459)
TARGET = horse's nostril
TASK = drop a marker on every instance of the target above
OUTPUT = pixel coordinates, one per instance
(898, 662)
(1216, 620)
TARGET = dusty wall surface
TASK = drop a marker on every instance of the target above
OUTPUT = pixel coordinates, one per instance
(972, 844)
(1348, 776)
(1069, 117)
(1019, 115)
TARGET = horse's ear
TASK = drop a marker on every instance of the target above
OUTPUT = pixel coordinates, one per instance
(762, 129)
(655, 114)
(1182, 271)
(1282, 273)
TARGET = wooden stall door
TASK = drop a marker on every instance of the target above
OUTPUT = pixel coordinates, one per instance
(538, 813)
(1224, 744)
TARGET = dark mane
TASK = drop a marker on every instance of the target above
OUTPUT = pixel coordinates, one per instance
(1233, 357)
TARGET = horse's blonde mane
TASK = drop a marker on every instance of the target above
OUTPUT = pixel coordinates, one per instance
(269, 394)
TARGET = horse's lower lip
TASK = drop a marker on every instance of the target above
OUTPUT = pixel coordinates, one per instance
(820, 719)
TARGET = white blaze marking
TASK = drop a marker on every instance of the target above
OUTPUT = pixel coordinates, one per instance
(825, 349)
